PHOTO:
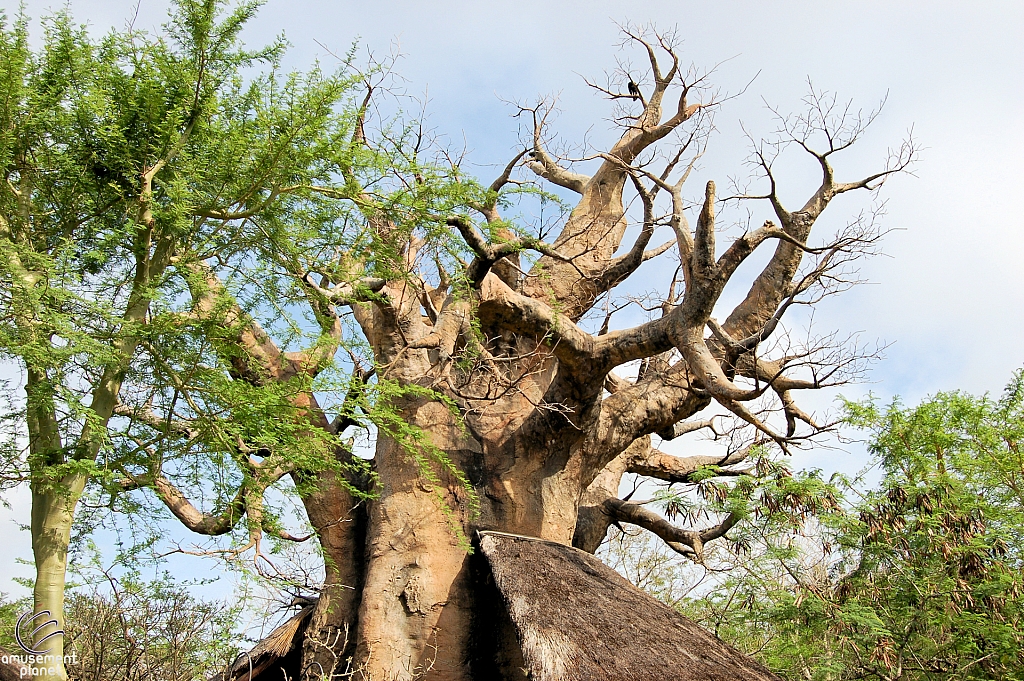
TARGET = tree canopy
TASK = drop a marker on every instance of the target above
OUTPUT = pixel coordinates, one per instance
(217, 272)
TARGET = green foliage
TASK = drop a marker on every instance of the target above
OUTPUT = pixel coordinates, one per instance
(127, 628)
(148, 629)
(256, 177)
(10, 610)
(919, 579)
(87, 243)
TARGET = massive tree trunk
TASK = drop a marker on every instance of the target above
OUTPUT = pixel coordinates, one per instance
(419, 594)
(417, 602)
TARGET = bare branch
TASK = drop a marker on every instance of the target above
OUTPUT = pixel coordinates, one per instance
(543, 164)
(635, 514)
(488, 254)
(683, 427)
(657, 464)
(503, 179)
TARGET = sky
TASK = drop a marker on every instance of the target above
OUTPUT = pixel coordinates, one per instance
(948, 293)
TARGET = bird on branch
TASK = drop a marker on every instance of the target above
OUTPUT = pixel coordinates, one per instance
(634, 89)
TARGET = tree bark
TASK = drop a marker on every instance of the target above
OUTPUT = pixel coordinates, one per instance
(340, 525)
(417, 601)
(53, 512)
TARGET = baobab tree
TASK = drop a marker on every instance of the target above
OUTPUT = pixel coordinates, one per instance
(457, 340)
(505, 413)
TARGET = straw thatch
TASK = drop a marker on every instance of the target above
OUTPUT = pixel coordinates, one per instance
(576, 619)
(276, 653)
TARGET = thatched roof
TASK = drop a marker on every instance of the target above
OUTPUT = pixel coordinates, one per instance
(272, 654)
(578, 620)
(558, 613)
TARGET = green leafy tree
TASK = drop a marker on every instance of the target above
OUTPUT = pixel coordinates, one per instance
(920, 578)
(122, 627)
(134, 629)
(135, 166)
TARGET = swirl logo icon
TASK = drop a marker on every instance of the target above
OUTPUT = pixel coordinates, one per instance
(28, 620)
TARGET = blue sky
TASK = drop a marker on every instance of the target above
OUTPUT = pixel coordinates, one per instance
(949, 292)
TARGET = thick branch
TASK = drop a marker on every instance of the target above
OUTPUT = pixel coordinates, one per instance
(454, 315)
(503, 307)
(694, 540)
(703, 259)
(651, 405)
(614, 383)
(620, 268)
(488, 254)
(255, 357)
(192, 517)
(656, 464)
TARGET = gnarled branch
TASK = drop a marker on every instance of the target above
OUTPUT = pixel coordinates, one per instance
(689, 543)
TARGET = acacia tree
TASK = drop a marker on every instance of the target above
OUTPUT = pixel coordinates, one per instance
(81, 256)
(917, 578)
(116, 155)
(467, 356)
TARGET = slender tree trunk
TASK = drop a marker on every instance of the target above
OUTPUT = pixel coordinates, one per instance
(53, 511)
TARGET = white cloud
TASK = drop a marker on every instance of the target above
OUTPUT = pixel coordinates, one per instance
(951, 292)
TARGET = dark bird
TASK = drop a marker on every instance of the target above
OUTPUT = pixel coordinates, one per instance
(634, 91)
